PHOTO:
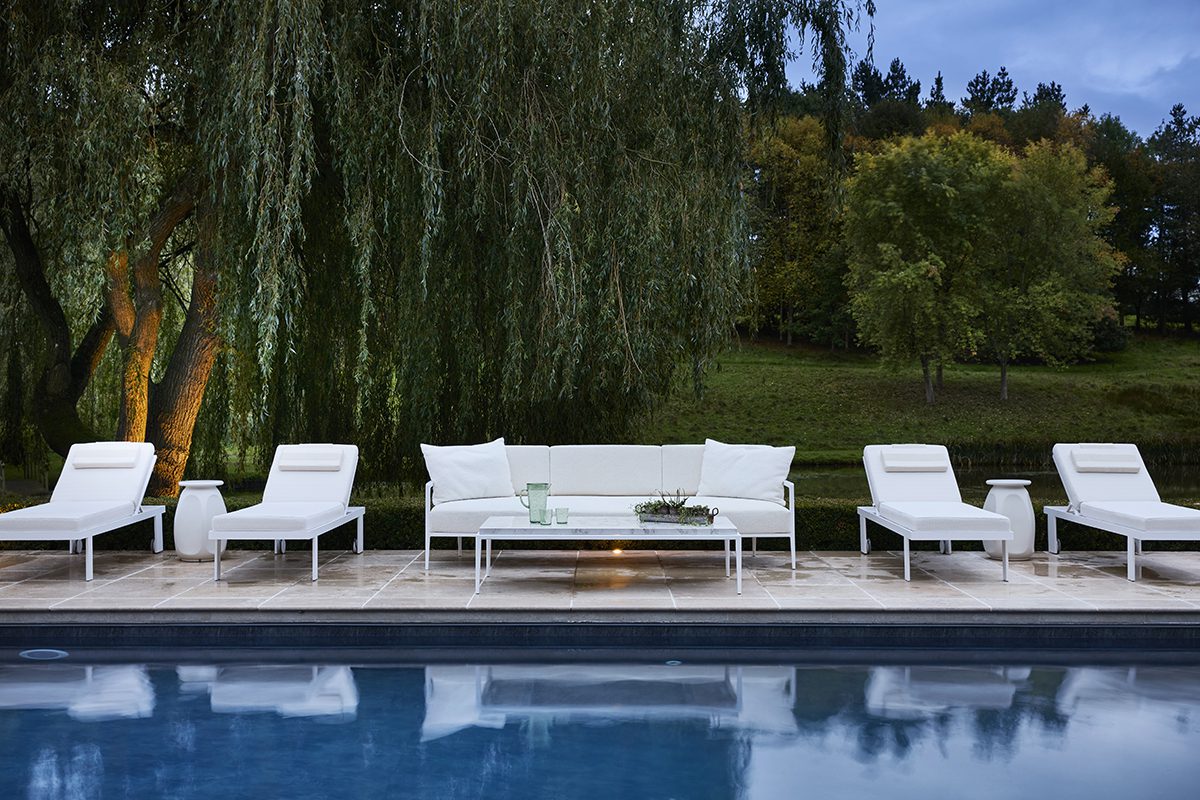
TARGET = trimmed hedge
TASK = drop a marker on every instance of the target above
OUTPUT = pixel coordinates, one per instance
(398, 523)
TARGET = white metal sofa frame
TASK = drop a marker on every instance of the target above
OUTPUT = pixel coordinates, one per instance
(1118, 471)
(93, 473)
(921, 474)
(301, 473)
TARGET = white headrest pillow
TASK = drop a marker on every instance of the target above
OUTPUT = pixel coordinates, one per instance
(103, 456)
(914, 458)
(312, 458)
(1105, 458)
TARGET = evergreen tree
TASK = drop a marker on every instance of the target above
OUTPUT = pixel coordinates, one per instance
(987, 93)
(899, 86)
(1046, 95)
(937, 101)
(867, 84)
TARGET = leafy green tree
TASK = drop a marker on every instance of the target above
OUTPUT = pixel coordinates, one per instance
(798, 269)
(915, 213)
(1045, 273)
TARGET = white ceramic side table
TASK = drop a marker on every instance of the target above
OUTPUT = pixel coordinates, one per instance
(198, 504)
(1009, 498)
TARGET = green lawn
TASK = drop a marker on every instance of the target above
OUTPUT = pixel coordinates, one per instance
(831, 404)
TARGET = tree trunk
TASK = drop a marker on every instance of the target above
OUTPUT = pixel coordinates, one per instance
(66, 374)
(178, 397)
(137, 310)
(928, 379)
(1004, 379)
(940, 381)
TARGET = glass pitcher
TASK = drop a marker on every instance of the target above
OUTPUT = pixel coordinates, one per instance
(537, 494)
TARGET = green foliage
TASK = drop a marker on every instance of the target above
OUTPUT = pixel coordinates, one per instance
(915, 214)
(990, 93)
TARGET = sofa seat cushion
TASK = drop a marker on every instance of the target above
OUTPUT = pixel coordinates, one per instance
(1145, 515)
(465, 516)
(278, 517)
(944, 517)
(751, 517)
(69, 517)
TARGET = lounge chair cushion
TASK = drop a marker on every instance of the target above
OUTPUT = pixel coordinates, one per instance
(301, 473)
(752, 471)
(465, 472)
(899, 485)
(1107, 475)
(1145, 515)
(930, 517)
(279, 517)
(64, 516)
(96, 473)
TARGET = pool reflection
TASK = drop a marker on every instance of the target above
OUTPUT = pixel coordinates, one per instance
(598, 730)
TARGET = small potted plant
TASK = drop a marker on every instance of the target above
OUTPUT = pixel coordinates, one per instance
(674, 510)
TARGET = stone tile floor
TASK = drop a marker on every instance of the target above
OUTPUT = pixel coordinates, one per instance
(594, 580)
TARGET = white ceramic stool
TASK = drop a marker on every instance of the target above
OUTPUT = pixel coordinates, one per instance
(1009, 499)
(198, 504)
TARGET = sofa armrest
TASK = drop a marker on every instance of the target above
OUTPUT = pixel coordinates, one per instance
(428, 496)
(789, 494)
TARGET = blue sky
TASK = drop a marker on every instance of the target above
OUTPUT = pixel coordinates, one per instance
(1132, 58)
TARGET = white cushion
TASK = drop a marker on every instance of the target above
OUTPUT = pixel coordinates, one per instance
(465, 516)
(915, 458)
(1145, 515)
(909, 486)
(1108, 486)
(463, 472)
(752, 471)
(63, 516)
(682, 464)
(611, 469)
(751, 517)
(1105, 458)
(307, 485)
(97, 483)
(281, 517)
(103, 455)
(310, 458)
(950, 518)
(581, 505)
(529, 463)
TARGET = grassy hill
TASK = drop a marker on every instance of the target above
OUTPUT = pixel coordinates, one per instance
(831, 404)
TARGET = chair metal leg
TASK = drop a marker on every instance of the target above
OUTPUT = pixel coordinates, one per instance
(907, 571)
(460, 547)
(726, 558)
(427, 543)
(1052, 534)
(1004, 560)
(220, 545)
(478, 551)
(314, 558)
(739, 564)
(87, 567)
(156, 546)
(863, 546)
(792, 542)
(754, 546)
(358, 542)
(1130, 555)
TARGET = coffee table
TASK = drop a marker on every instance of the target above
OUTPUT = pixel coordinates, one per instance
(602, 528)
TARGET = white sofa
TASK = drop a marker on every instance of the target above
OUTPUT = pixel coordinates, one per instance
(610, 479)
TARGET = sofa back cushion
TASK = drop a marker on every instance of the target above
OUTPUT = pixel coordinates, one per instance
(910, 472)
(752, 471)
(528, 463)
(681, 468)
(465, 472)
(1098, 472)
(312, 473)
(106, 471)
(606, 469)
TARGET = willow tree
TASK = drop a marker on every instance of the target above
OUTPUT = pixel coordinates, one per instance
(426, 219)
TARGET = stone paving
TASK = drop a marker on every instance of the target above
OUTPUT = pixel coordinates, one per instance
(599, 580)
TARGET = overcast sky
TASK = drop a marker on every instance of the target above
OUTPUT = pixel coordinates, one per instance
(1131, 58)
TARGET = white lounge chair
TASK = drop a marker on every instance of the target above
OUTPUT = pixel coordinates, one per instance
(100, 489)
(307, 494)
(1109, 489)
(915, 495)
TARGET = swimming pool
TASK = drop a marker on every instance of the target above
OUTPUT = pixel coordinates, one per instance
(662, 730)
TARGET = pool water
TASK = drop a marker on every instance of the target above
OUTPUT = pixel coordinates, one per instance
(665, 730)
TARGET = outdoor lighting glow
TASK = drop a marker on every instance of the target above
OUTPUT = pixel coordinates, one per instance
(618, 551)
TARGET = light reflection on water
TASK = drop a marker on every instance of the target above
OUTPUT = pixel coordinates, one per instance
(598, 730)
